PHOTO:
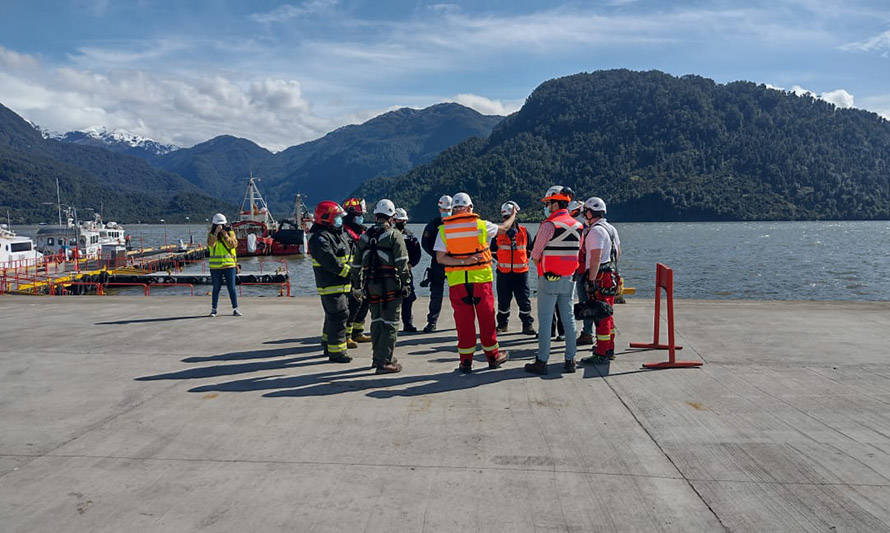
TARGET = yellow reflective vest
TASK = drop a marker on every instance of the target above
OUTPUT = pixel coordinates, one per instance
(221, 256)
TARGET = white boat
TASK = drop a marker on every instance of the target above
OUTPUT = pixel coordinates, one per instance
(17, 251)
(87, 237)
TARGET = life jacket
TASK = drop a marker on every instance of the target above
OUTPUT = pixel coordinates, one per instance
(465, 235)
(513, 253)
(221, 256)
(560, 255)
(582, 252)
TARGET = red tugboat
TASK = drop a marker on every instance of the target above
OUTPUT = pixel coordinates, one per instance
(290, 237)
(255, 223)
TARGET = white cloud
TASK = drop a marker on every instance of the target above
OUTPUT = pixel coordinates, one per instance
(485, 105)
(838, 97)
(12, 60)
(289, 11)
(879, 43)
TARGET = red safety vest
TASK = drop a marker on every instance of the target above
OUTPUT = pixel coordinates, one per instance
(513, 255)
(561, 252)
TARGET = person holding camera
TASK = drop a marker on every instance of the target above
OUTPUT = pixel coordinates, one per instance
(223, 261)
(381, 275)
(556, 257)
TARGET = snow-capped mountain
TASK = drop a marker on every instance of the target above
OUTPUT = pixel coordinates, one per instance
(117, 141)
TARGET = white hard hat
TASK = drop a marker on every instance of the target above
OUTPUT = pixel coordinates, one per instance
(595, 203)
(508, 207)
(219, 218)
(445, 202)
(575, 205)
(385, 207)
(401, 214)
(462, 199)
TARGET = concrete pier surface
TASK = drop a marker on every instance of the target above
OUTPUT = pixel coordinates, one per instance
(141, 414)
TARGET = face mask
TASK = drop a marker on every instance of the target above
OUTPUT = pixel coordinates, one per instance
(338, 222)
(400, 225)
(360, 220)
(445, 213)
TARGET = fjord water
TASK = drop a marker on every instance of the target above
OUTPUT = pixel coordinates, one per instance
(711, 260)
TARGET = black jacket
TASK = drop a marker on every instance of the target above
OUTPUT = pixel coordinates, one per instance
(331, 254)
(428, 239)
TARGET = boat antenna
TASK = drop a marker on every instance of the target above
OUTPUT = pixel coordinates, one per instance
(59, 202)
(8, 223)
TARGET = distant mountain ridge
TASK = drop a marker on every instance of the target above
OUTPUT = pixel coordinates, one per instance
(127, 187)
(659, 147)
(117, 141)
(332, 166)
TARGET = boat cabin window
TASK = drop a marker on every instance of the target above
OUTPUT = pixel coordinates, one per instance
(21, 246)
(83, 241)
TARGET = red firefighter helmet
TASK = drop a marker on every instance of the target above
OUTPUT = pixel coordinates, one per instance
(327, 211)
(355, 206)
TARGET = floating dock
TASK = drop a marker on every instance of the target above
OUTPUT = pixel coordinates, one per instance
(144, 268)
(142, 414)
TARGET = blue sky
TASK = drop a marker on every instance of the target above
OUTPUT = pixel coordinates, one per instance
(284, 73)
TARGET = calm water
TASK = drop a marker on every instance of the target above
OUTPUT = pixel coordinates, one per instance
(747, 260)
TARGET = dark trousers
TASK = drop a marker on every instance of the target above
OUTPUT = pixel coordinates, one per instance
(358, 311)
(333, 333)
(514, 285)
(407, 304)
(217, 276)
(384, 330)
(437, 290)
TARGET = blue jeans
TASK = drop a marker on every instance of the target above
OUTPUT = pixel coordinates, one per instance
(581, 287)
(216, 276)
(550, 295)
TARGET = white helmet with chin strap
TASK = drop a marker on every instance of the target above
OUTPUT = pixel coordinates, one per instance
(508, 208)
(385, 207)
(401, 214)
(575, 205)
(445, 202)
(462, 199)
(219, 218)
(594, 203)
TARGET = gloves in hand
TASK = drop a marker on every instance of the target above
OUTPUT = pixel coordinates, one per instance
(406, 291)
(357, 293)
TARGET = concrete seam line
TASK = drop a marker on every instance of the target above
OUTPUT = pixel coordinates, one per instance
(335, 463)
(94, 426)
(663, 452)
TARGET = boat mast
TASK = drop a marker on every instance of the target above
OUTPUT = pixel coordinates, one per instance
(59, 202)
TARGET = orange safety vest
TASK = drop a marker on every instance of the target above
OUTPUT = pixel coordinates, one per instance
(561, 252)
(513, 254)
(464, 235)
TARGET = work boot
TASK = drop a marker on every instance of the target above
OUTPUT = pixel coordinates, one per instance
(502, 329)
(212, 313)
(429, 328)
(466, 367)
(538, 367)
(595, 359)
(391, 367)
(339, 358)
(497, 361)
(528, 329)
(569, 366)
(361, 337)
(584, 339)
(409, 329)
(351, 344)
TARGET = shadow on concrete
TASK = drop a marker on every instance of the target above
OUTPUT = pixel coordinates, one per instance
(148, 320)
(257, 354)
(304, 340)
(414, 385)
(276, 381)
(244, 368)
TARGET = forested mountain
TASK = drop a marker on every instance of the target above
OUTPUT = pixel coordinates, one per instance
(126, 187)
(332, 166)
(659, 147)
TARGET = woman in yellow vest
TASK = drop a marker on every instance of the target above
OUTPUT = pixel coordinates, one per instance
(223, 262)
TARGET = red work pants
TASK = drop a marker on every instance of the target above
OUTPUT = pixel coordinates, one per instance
(465, 315)
(605, 329)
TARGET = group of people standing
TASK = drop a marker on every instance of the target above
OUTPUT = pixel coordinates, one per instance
(360, 269)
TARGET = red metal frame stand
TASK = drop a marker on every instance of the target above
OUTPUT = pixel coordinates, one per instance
(664, 279)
